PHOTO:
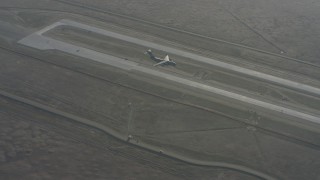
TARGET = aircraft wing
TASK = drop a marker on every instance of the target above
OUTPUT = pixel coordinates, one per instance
(162, 62)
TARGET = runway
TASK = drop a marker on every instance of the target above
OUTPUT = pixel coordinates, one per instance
(39, 41)
(244, 71)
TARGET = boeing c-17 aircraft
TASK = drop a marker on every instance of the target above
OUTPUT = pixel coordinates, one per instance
(165, 61)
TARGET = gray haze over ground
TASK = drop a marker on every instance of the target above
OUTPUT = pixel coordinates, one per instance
(291, 26)
(66, 115)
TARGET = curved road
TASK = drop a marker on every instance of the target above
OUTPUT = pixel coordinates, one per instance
(123, 137)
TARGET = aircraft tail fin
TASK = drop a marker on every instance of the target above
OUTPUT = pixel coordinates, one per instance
(166, 58)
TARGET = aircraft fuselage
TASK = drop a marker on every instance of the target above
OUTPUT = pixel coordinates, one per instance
(157, 60)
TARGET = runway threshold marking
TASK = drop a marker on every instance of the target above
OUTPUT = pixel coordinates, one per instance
(39, 41)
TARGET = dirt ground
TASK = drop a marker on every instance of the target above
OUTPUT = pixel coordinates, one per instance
(267, 36)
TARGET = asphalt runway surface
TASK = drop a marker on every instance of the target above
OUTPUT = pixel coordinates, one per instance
(256, 74)
(37, 40)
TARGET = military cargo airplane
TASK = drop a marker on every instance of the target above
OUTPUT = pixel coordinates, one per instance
(165, 61)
